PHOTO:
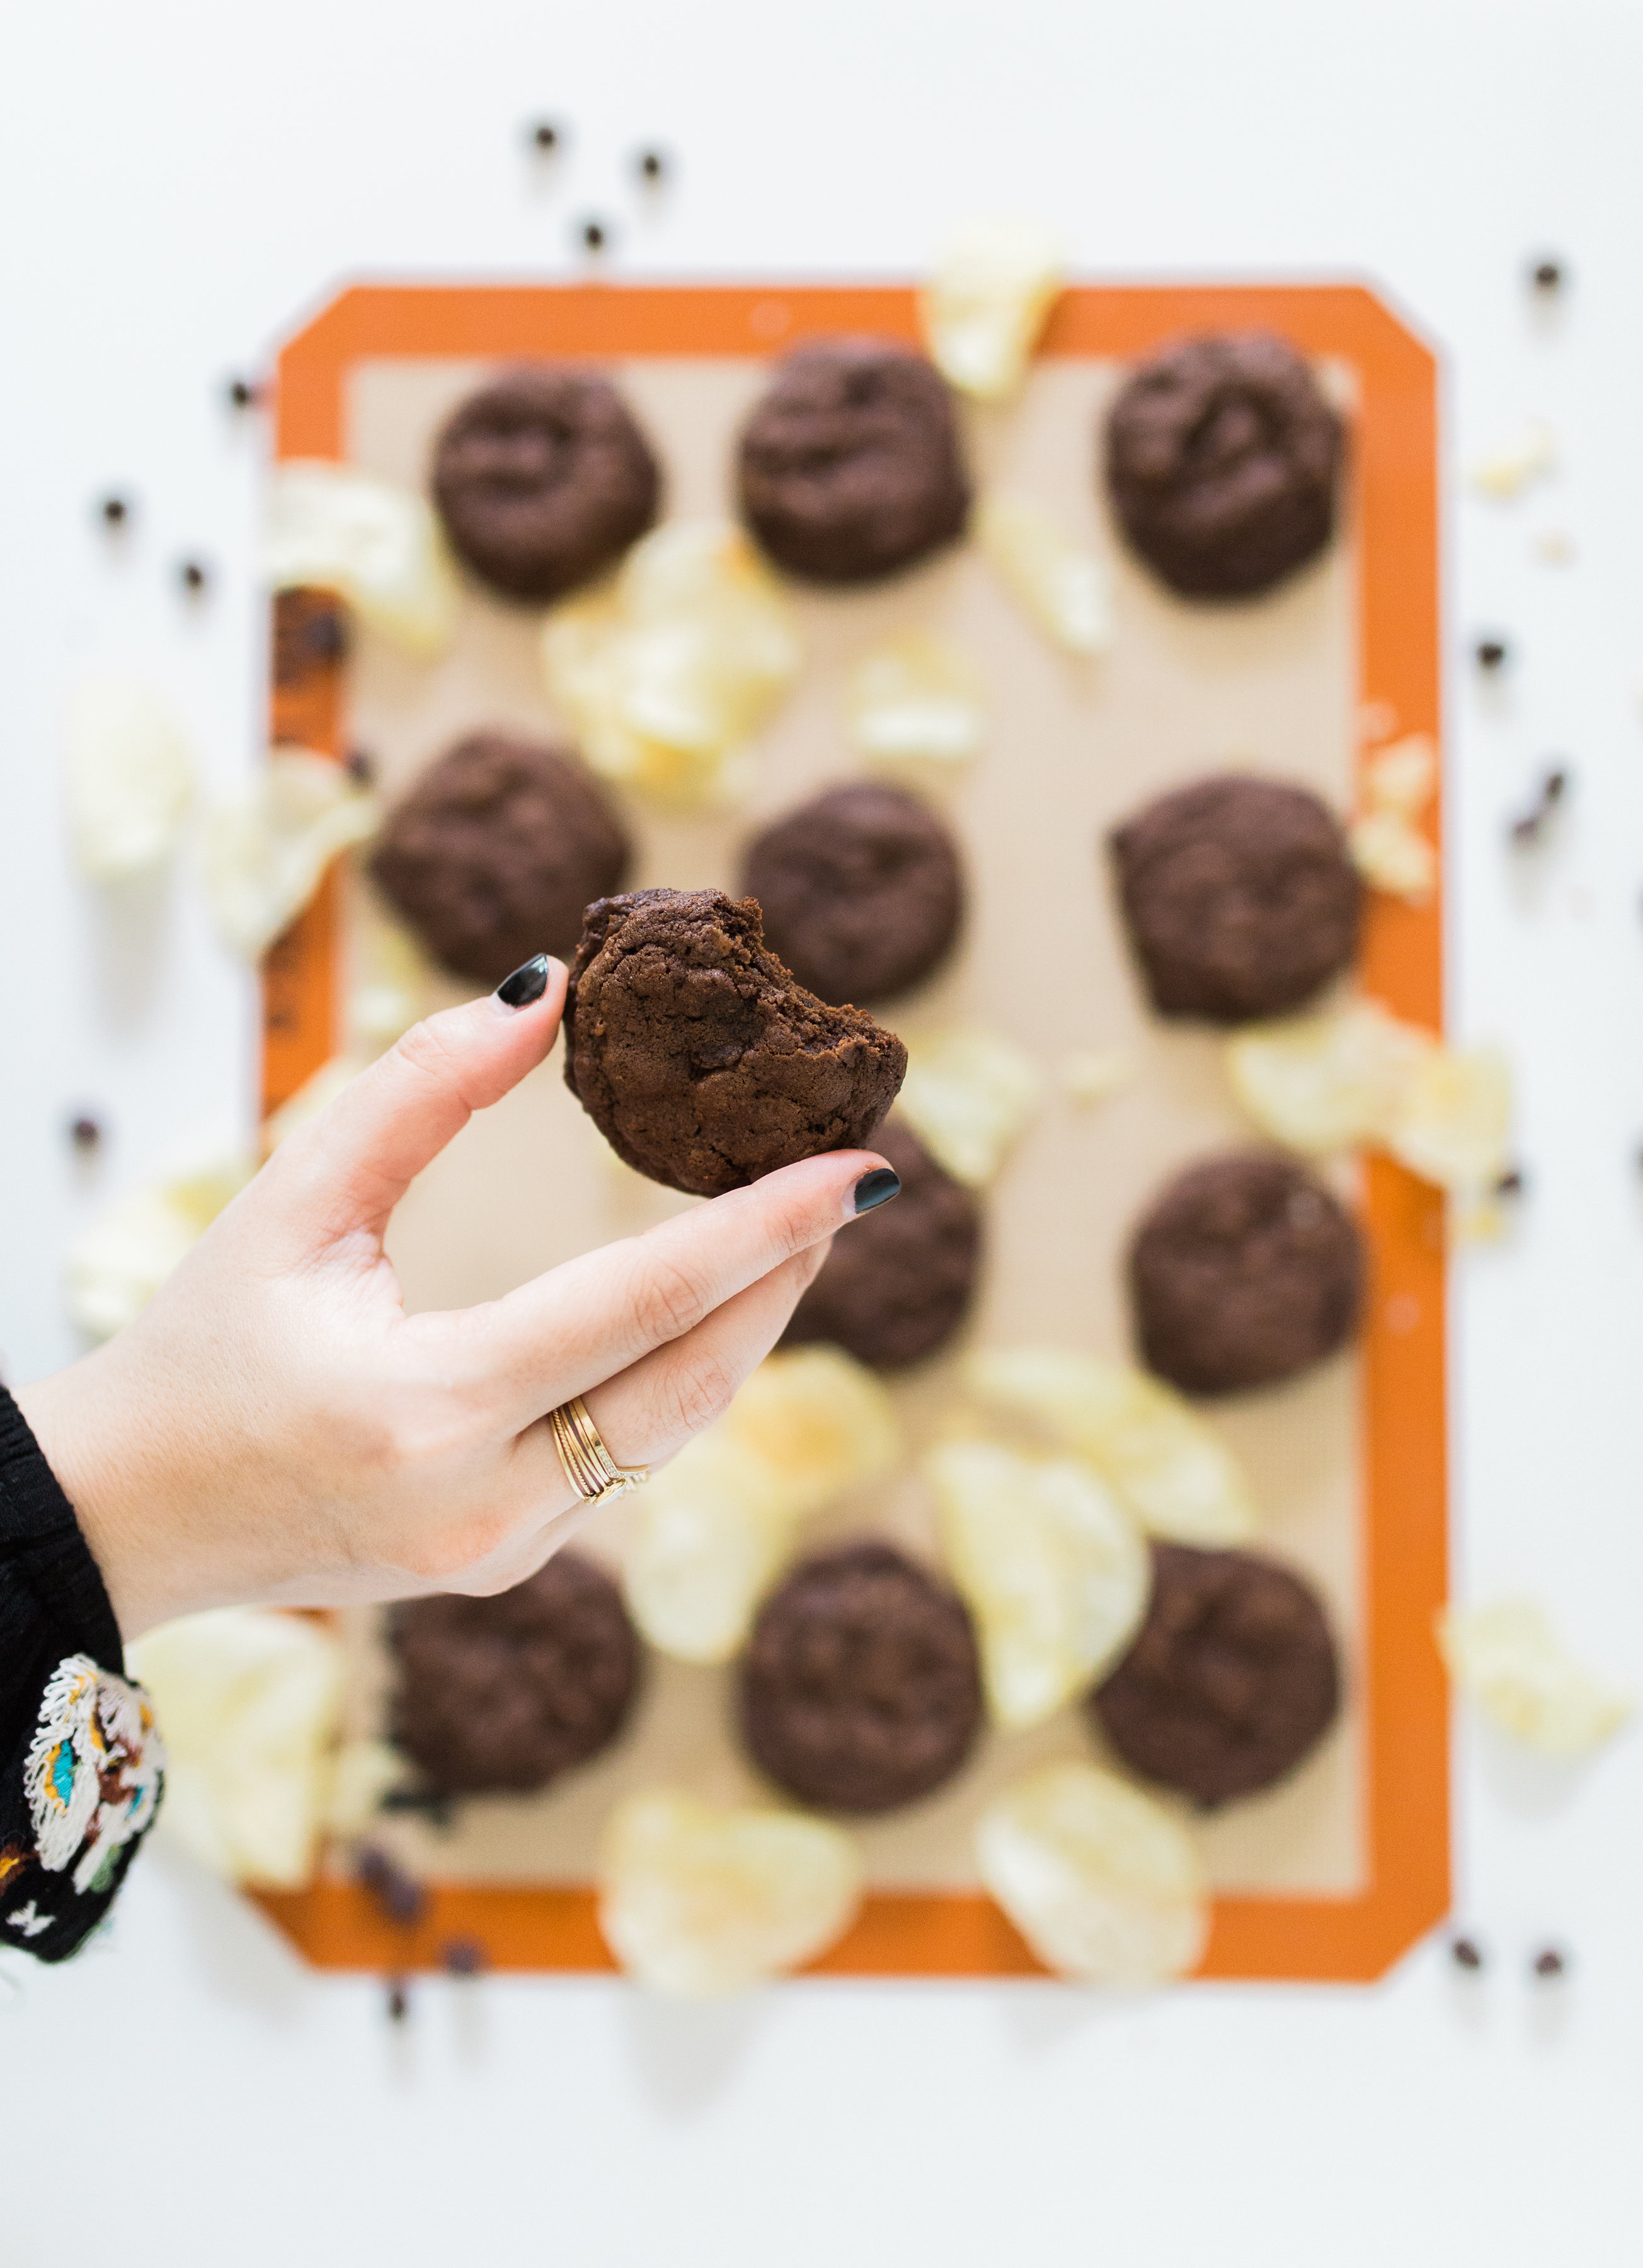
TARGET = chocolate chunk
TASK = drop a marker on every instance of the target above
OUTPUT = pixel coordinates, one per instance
(701, 1059)
(1231, 1681)
(860, 1689)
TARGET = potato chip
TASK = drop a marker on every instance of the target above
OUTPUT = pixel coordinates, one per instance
(1055, 1572)
(1393, 855)
(1401, 776)
(1511, 463)
(1058, 583)
(1102, 1882)
(984, 306)
(115, 1266)
(1095, 1074)
(361, 1772)
(1167, 1466)
(667, 672)
(711, 1530)
(916, 700)
(249, 1702)
(1509, 1660)
(129, 772)
(1453, 1123)
(264, 856)
(698, 1900)
(968, 1096)
(376, 546)
(1327, 1082)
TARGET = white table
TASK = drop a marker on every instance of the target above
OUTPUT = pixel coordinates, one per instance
(178, 187)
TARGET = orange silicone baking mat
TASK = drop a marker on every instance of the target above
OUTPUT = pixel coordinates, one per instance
(1336, 1879)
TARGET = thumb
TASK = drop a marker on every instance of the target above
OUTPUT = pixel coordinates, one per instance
(349, 1167)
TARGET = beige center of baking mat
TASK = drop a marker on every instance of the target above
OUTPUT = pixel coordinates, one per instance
(1072, 747)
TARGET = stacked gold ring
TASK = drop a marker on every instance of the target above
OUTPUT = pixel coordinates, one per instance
(589, 1466)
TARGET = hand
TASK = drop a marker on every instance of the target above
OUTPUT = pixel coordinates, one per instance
(275, 1427)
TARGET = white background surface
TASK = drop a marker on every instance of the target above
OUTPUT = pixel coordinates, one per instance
(180, 183)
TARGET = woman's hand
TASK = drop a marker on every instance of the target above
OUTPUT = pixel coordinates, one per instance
(275, 1427)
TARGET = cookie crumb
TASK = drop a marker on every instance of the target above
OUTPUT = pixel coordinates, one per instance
(242, 394)
(85, 1132)
(193, 577)
(1466, 1954)
(1547, 275)
(546, 136)
(652, 166)
(593, 235)
(115, 511)
(398, 1894)
(1550, 1963)
(1491, 653)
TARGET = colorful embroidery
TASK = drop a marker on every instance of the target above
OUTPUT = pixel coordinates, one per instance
(93, 1773)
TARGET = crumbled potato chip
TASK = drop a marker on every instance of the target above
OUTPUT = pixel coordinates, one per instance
(1509, 1658)
(984, 306)
(264, 855)
(115, 1266)
(128, 772)
(361, 1772)
(1393, 855)
(1511, 463)
(1453, 1123)
(1058, 583)
(1401, 776)
(713, 1527)
(1167, 1466)
(968, 1096)
(1326, 1082)
(376, 546)
(1094, 1074)
(916, 700)
(1056, 1574)
(1102, 1882)
(698, 1900)
(667, 672)
(249, 1701)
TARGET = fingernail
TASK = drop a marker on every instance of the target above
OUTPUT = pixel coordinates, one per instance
(876, 1188)
(526, 984)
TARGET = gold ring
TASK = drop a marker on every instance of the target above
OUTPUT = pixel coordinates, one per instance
(589, 1466)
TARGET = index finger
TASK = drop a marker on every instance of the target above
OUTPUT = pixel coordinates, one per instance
(592, 1317)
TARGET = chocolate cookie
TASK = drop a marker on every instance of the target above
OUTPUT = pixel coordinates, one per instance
(1232, 1678)
(508, 1692)
(1223, 457)
(861, 891)
(496, 852)
(700, 1058)
(860, 1689)
(1245, 1272)
(898, 1286)
(542, 480)
(849, 465)
(1240, 897)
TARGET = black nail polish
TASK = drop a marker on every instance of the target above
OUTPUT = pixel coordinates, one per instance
(876, 1188)
(526, 984)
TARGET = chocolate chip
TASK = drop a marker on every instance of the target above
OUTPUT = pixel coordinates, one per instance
(115, 511)
(398, 1894)
(463, 1956)
(1550, 793)
(1549, 1963)
(399, 1999)
(85, 1133)
(1491, 653)
(545, 136)
(430, 1803)
(1465, 1954)
(593, 235)
(361, 767)
(241, 394)
(652, 164)
(1547, 275)
(193, 577)
(1510, 1184)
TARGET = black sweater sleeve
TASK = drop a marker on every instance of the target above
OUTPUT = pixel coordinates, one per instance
(80, 1762)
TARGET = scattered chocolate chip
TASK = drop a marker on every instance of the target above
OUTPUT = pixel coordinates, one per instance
(399, 1999)
(1549, 1963)
(430, 1803)
(1491, 652)
(593, 235)
(1553, 786)
(1466, 1954)
(309, 633)
(1547, 275)
(463, 1956)
(1510, 1184)
(652, 164)
(361, 767)
(545, 136)
(397, 1894)
(193, 577)
(85, 1133)
(242, 395)
(115, 511)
